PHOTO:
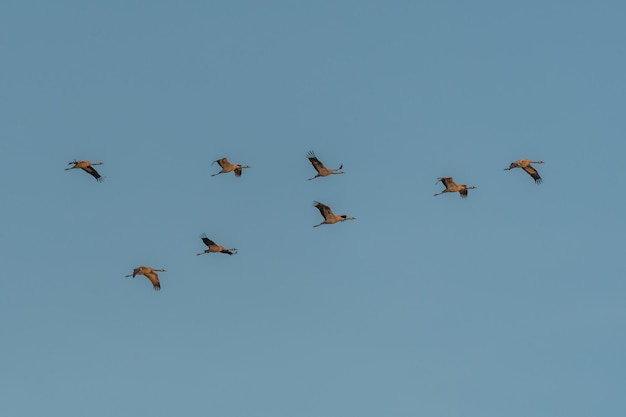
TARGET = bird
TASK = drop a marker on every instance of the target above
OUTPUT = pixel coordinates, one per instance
(214, 247)
(329, 216)
(452, 187)
(149, 273)
(228, 167)
(87, 167)
(322, 171)
(525, 165)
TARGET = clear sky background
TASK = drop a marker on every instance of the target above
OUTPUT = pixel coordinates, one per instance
(507, 303)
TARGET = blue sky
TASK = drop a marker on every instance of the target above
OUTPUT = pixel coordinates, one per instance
(509, 302)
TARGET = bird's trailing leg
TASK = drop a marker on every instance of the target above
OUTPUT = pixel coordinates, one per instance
(72, 163)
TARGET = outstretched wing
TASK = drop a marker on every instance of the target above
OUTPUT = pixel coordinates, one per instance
(324, 210)
(154, 279)
(315, 162)
(221, 162)
(238, 171)
(447, 181)
(533, 173)
(92, 171)
(463, 193)
(207, 241)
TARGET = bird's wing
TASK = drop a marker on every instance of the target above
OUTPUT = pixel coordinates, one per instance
(226, 251)
(238, 171)
(221, 162)
(533, 173)
(207, 241)
(154, 279)
(92, 171)
(447, 181)
(324, 210)
(463, 192)
(315, 162)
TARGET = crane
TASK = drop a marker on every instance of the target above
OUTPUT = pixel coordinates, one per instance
(452, 187)
(87, 167)
(329, 216)
(149, 273)
(228, 167)
(525, 165)
(213, 247)
(322, 171)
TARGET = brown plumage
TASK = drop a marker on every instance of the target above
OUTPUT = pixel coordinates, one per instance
(228, 167)
(329, 216)
(149, 273)
(213, 247)
(525, 165)
(452, 187)
(87, 167)
(322, 171)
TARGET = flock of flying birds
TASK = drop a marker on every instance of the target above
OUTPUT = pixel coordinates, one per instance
(325, 211)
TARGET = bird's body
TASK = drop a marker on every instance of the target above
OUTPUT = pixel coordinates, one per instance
(329, 216)
(452, 187)
(525, 164)
(228, 167)
(322, 171)
(213, 247)
(149, 273)
(87, 167)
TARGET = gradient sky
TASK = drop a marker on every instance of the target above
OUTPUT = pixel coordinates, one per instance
(507, 303)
